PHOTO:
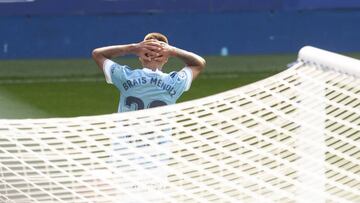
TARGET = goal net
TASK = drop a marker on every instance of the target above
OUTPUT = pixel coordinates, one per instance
(293, 137)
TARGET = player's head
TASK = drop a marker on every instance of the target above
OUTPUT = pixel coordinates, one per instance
(157, 36)
(155, 64)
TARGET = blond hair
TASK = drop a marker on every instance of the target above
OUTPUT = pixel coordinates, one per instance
(157, 36)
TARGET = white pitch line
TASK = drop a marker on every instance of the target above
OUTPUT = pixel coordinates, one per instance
(96, 79)
(50, 80)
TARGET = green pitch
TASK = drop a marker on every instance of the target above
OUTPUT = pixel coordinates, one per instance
(66, 88)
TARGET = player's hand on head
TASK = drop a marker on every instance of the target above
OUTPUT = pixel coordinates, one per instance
(164, 53)
(148, 49)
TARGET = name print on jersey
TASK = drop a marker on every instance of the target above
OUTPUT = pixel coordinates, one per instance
(152, 81)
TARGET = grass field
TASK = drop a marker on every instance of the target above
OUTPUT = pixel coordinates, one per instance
(76, 87)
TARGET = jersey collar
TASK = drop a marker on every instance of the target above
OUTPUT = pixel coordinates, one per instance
(151, 71)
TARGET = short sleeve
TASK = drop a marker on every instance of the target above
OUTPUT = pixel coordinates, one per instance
(107, 70)
(182, 79)
(115, 73)
(185, 76)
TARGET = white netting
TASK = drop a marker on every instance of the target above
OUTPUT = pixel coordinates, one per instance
(293, 137)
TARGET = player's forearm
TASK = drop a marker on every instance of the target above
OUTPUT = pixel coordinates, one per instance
(189, 58)
(110, 52)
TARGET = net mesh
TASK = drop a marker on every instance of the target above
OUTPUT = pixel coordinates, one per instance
(293, 137)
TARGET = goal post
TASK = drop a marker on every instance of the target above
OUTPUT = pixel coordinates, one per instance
(330, 60)
(316, 108)
(292, 137)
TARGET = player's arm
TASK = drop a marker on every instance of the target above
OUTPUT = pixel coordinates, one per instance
(195, 62)
(145, 50)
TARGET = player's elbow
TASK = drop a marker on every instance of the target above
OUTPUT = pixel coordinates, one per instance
(95, 54)
(98, 57)
(202, 63)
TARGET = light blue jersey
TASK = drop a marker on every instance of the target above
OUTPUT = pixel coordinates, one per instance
(144, 88)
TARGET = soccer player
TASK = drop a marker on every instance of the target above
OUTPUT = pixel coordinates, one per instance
(142, 88)
(148, 87)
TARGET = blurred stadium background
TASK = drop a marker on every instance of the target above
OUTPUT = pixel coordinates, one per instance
(45, 45)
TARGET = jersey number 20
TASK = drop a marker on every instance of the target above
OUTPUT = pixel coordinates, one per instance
(139, 104)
